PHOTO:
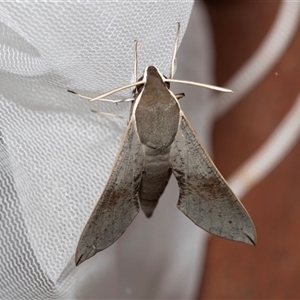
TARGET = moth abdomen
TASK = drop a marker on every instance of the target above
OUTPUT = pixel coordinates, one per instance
(156, 175)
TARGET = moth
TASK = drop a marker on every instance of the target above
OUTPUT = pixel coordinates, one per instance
(159, 141)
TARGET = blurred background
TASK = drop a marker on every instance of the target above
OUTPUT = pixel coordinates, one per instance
(272, 269)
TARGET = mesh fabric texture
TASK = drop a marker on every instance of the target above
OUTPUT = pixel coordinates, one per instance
(55, 154)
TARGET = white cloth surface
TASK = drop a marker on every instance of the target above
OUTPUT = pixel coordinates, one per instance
(55, 154)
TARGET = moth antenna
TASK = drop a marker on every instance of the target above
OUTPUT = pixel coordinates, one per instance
(117, 90)
(135, 69)
(212, 87)
(173, 61)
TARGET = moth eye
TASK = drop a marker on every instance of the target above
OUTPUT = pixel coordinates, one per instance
(167, 84)
(138, 88)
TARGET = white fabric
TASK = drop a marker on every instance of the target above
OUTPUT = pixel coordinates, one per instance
(55, 154)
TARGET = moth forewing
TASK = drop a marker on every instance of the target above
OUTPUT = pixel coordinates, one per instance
(205, 196)
(118, 204)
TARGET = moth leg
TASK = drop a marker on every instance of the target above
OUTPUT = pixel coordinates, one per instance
(115, 101)
(79, 95)
(179, 96)
(104, 100)
(173, 62)
(108, 114)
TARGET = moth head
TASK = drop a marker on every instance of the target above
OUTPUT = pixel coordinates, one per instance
(140, 87)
